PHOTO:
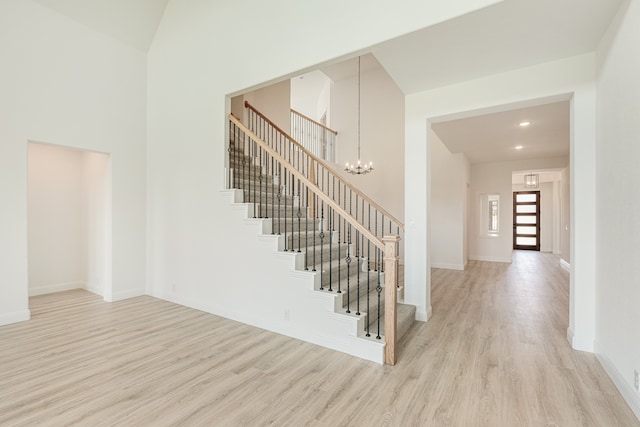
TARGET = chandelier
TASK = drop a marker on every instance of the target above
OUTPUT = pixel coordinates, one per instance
(359, 168)
(531, 180)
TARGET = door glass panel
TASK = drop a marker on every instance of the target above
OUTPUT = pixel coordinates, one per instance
(527, 241)
(520, 219)
(525, 198)
(526, 209)
(526, 230)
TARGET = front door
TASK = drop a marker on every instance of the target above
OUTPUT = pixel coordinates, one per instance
(526, 220)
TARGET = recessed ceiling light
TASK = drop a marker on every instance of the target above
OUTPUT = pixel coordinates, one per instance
(519, 147)
(524, 124)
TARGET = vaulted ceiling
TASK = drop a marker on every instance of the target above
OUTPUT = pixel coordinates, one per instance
(510, 34)
(133, 22)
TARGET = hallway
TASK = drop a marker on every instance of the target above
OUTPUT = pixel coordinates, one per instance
(499, 331)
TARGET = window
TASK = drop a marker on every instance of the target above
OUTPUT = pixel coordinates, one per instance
(493, 214)
(494, 200)
(489, 215)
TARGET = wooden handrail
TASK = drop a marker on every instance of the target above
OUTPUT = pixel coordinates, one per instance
(326, 166)
(335, 132)
(311, 185)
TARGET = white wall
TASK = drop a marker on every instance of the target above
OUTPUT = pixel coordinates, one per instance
(56, 246)
(191, 69)
(449, 178)
(274, 101)
(96, 204)
(570, 78)
(565, 216)
(488, 179)
(65, 84)
(618, 180)
(310, 95)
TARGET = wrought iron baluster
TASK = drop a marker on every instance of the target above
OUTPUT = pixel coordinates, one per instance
(231, 130)
(252, 148)
(279, 196)
(273, 192)
(315, 222)
(333, 191)
(322, 245)
(339, 242)
(348, 261)
(339, 257)
(358, 272)
(299, 218)
(293, 197)
(286, 190)
(261, 179)
(330, 214)
(362, 222)
(306, 233)
(368, 269)
(241, 183)
(379, 290)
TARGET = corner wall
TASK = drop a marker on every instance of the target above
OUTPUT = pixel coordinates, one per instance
(68, 85)
(449, 178)
(56, 224)
(618, 180)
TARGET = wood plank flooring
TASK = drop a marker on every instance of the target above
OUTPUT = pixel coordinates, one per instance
(493, 354)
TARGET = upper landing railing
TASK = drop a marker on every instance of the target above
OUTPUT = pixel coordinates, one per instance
(314, 136)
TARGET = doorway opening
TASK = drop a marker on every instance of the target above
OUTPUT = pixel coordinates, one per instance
(69, 220)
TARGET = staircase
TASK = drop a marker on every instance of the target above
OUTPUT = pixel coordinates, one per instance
(333, 250)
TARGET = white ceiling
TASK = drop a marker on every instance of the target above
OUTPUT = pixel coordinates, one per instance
(493, 137)
(506, 36)
(133, 22)
(349, 68)
(509, 35)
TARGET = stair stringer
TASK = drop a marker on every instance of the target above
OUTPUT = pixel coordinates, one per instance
(290, 302)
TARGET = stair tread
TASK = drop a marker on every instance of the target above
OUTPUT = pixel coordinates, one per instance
(300, 238)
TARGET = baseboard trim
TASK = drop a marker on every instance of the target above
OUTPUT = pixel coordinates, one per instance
(364, 349)
(423, 315)
(490, 259)
(57, 287)
(628, 393)
(119, 296)
(447, 266)
(564, 264)
(579, 342)
(15, 317)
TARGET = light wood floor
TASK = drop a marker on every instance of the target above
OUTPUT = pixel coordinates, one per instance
(494, 354)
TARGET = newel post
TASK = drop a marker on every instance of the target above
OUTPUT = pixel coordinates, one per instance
(391, 258)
